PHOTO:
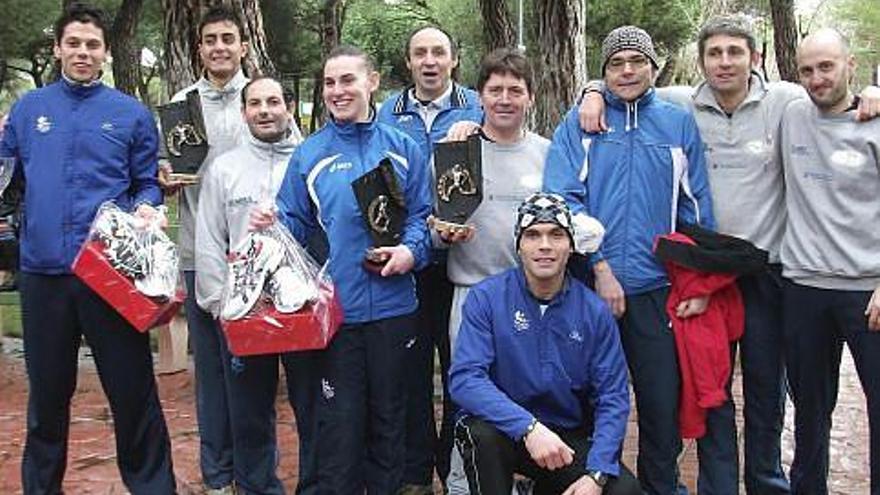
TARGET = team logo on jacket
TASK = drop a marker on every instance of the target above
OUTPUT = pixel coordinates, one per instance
(44, 125)
(576, 336)
(848, 158)
(107, 126)
(520, 322)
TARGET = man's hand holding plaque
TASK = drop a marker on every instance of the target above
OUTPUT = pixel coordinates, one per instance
(459, 188)
(383, 209)
(186, 142)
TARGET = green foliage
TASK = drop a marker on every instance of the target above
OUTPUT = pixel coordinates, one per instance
(291, 31)
(671, 23)
(859, 20)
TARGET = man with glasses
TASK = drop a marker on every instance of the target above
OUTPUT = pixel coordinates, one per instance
(640, 178)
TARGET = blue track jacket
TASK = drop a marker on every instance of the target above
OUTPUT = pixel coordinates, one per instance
(317, 193)
(639, 178)
(77, 147)
(512, 364)
(398, 111)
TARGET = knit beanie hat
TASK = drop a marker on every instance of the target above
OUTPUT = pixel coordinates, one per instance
(628, 38)
(543, 207)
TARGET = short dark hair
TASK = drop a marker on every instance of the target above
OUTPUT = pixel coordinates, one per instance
(86, 14)
(506, 61)
(221, 13)
(349, 51)
(247, 86)
(735, 26)
(453, 46)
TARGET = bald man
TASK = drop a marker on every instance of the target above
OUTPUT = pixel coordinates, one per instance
(831, 265)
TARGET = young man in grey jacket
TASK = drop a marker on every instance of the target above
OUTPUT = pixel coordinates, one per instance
(222, 48)
(738, 114)
(237, 182)
(829, 254)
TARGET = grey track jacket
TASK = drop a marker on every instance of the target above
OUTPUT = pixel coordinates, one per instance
(745, 173)
(232, 185)
(832, 176)
(226, 129)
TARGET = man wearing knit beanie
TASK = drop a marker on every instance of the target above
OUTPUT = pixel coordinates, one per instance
(639, 179)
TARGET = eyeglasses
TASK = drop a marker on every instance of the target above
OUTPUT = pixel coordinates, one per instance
(635, 62)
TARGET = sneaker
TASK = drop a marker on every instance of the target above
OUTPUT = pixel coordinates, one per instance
(290, 290)
(251, 262)
(121, 247)
(160, 280)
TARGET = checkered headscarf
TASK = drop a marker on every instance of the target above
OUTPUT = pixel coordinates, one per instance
(543, 207)
(628, 38)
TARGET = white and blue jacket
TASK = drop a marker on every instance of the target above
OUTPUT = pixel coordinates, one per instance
(317, 193)
(77, 146)
(565, 368)
(398, 111)
(640, 178)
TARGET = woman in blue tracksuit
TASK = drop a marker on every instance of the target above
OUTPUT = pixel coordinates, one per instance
(362, 414)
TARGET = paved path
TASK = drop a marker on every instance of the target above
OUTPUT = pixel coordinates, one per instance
(92, 468)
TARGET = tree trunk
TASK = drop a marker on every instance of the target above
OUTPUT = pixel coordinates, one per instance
(126, 54)
(667, 73)
(181, 21)
(560, 60)
(332, 17)
(785, 38)
(182, 64)
(258, 60)
(499, 31)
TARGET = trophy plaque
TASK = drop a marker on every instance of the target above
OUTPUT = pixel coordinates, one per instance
(459, 183)
(383, 208)
(186, 142)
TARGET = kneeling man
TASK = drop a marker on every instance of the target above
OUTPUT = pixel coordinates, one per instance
(539, 372)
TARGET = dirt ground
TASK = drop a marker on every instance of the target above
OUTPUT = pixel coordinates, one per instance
(92, 463)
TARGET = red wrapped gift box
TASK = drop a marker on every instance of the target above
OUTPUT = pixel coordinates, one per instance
(143, 312)
(268, 331)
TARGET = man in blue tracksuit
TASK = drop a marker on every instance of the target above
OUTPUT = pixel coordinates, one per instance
(539, 372)
(361, 418)
(78, 144)
(426, 111)
(639, 179)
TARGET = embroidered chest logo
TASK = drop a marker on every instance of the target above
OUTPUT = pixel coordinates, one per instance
(340, 166)
(44, 125)
(107, 126)
(848, 159)
(520, 322)
(404, 118)
(576, 336)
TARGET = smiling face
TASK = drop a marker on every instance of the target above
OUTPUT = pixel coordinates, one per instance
(628, 74)
(264, 110)
(727, 63)
(544, 249)
(81, 51)
(221, 50)
(505, 99)
(825, 68)
(348, 84)
(430, 61)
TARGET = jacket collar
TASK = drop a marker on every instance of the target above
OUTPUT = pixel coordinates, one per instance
(266, 150)
(82, 90)
(704, 96)
(632, 108)
(457, 98)
(524, 287)
(353, 129)
(231, 90)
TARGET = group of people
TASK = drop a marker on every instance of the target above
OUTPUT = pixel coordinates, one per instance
(543, 308)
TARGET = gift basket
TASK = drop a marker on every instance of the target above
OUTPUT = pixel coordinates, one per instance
(132, 265)
(276, 298)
